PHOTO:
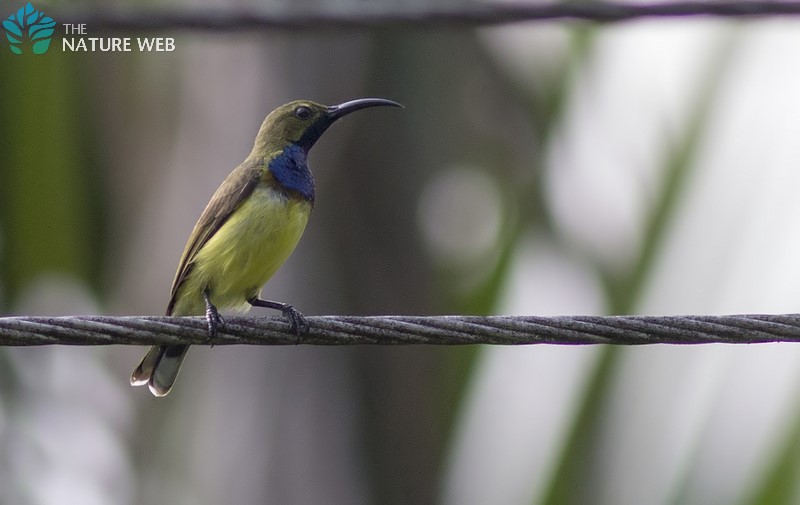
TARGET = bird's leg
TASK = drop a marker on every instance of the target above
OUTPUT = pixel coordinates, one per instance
(297, 321)
(212, 317)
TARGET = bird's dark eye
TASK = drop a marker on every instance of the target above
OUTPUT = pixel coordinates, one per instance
(302, 112)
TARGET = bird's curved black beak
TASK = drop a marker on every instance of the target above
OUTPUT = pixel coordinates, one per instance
(338, 111)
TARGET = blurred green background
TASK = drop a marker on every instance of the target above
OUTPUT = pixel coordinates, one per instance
(550, 168)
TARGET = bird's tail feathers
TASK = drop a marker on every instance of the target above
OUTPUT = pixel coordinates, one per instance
(159, 368)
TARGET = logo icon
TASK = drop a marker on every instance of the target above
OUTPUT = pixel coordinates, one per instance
(29, 28)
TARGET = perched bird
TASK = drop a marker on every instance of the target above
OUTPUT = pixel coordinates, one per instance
(248, 229)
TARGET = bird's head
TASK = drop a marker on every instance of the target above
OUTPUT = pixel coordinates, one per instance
(302, 122)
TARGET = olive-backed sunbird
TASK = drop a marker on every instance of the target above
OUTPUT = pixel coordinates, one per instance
(248, 229)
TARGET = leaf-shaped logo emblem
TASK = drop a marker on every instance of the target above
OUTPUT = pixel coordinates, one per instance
(29, 28)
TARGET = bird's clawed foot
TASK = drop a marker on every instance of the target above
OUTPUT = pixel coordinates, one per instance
(297, 321)
(213, 318)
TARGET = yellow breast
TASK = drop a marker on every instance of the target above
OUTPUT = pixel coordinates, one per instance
(245, 252)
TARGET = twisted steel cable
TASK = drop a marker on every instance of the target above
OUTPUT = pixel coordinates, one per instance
(470, 16)
(394, 330)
